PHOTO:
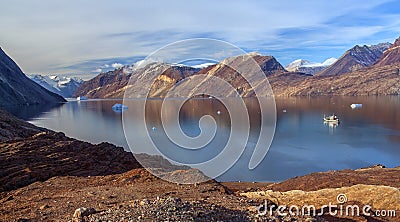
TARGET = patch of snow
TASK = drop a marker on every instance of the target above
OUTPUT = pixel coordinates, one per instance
(329, 61)
(64, 86)
(204, 65)
(305, 66)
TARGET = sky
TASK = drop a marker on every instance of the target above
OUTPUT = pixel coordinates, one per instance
(87, 37)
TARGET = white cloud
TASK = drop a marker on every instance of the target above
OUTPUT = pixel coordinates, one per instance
(98, 70)
(116, 65)
(94, 33)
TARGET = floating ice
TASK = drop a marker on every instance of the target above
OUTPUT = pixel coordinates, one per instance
(118, 106)
(356, 106)
(79, 98)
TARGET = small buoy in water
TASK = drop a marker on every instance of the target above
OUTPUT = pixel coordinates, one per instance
(284, 110)
(154, 128)
(219, 112)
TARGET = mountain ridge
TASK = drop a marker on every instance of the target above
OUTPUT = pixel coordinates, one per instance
(108, 85)
(359, 71)
(355, 58)
(17, 89)
(391, 55)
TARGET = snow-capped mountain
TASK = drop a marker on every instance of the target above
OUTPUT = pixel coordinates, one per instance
(305, 66)
(64, 86)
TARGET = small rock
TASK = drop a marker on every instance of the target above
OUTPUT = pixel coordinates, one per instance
(144, 202)
(8, 198)
(44, 207)
(82, 212)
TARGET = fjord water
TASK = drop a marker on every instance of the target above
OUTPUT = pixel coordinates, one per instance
(302, 142)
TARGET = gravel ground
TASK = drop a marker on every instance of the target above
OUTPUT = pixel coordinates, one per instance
(175, 209)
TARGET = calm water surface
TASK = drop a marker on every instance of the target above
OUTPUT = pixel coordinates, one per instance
(302, 142)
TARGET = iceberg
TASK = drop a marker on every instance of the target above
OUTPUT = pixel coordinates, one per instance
(356, 105)
(119, 107)
(79, 98)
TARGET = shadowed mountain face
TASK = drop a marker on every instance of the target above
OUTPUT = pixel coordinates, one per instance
(356, 58)
(17, 89)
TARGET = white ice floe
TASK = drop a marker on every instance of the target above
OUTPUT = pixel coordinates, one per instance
(356, 106)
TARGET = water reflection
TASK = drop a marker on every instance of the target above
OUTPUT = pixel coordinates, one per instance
(302, 143)
(31, 111)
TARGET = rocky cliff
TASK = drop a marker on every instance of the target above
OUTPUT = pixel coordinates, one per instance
(17, 89)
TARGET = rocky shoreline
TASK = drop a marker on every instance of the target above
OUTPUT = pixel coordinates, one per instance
(47, 176)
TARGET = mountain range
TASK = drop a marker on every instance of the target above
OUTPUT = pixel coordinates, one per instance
(61, 85)
(361, 70)
(17, 89)
(114, 83)
(372, 76)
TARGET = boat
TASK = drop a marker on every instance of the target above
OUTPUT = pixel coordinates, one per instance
(331, 119)
(79, 98)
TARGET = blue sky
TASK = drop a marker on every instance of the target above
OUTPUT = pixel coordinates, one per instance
(79, 37)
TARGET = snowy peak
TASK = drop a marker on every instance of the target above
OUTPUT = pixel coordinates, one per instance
(367, 55)
(293, 66)
(305, 66)
(329, 61)
(64, 86)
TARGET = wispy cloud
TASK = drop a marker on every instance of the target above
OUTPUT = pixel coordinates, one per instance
(73, 36)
